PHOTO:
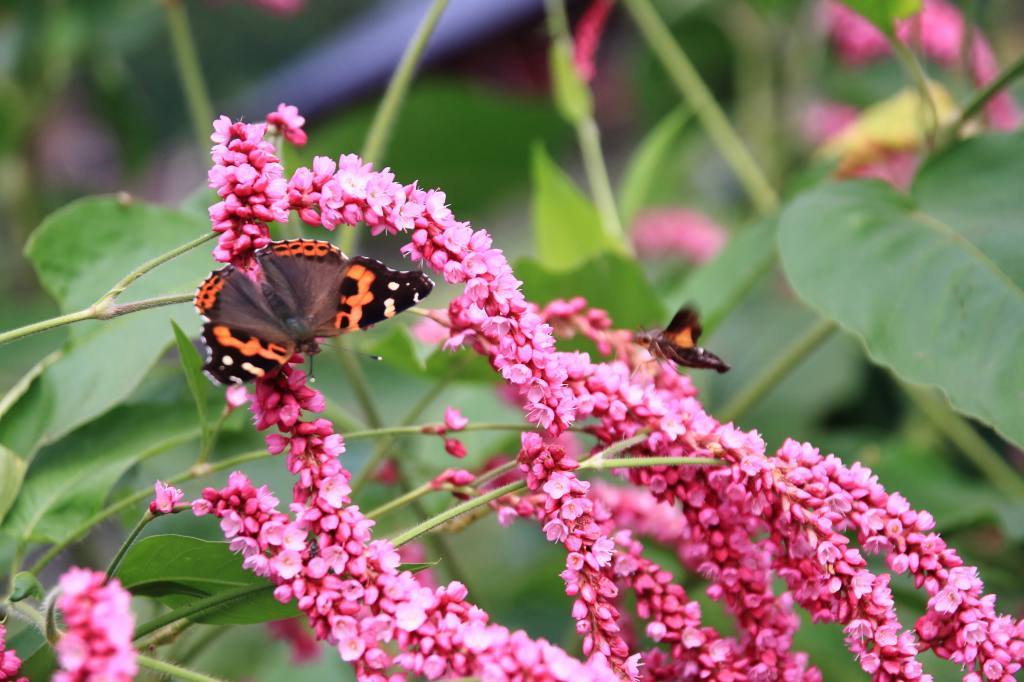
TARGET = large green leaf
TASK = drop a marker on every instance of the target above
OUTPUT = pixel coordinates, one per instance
(566, 226)
(192, 366)
(718, 286)
(78, 253)
(882, 13)
(608, 281)
(177, 570)
(69, 481)
(933, 282)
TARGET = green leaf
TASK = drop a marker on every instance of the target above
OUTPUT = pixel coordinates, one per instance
(572, 96)
(718, 286)
(648, 163)
(608, 281)
(192, 365)
(176, 570)
(400, 350)
(882, 13)
(12, 471)
(38, 661)
(932, 284)
(417, 567)
(566, 225)
(69, 481)
(26, 585)
(78, 253)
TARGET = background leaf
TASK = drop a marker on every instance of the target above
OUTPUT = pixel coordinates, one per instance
(69, 481)
(648, 162)
(935, 296)
(192, 364)
(176, 570)
(12, 471)
(882, 13)
(78, 253)
(566, 226)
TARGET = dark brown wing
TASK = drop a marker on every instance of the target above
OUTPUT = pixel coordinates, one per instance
(371, 292)
(684, 330)
(243, 337)
(301, 279)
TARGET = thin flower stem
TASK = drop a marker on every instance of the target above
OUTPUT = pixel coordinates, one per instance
(1003, 477)
(495, 472)
(175, 671)
(427, 430)
(912, 65)
(387, 111)
(700, 99)
(357, 379)
(401, 500)
(791, 356)
(104, 308)
(981, 97)
(136, 497)
(634, 462)
(588, 136)
(190, 72)
(115, 563)
(594, 461)
(200, 607)
(449, 514)
(210, 437)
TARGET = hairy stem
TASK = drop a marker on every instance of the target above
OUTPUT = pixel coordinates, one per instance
(190, 72)
(115, 563)
(174, 671)
(700, 99)
(791, 356)
(912, 65)
(387, 111)
(202, 606)
(982, 97)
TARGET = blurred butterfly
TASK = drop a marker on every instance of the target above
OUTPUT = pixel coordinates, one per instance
(305, 290)
(678, 343)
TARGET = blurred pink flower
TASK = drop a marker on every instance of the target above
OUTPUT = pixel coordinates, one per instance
(10, 664)
(824, 118)
(305, 647)
(677, 233)
(897, 168)
(453, 419)
(427, 330)
(587, 39)
(97, 641)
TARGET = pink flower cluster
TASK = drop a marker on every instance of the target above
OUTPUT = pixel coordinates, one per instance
(10, 664)
(741, 524)
(97, 643)
(940, 32)
(587, 38)
(677, 233)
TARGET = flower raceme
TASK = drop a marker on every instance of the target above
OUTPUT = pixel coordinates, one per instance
(792, 515)
(97, 642)
(10, 664)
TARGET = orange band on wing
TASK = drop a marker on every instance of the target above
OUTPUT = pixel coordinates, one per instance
(683, 338)
(303, 247)
(349, 320)
(206, 296)
(272, 351)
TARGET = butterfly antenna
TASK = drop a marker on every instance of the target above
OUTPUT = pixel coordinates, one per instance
(309, 371)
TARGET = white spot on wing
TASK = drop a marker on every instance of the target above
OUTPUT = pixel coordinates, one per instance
(393, 286)
(227, 360)
(253, 369)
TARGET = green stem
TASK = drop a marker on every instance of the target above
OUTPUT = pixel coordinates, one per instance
(791, 356)
(700, 99)
(115, 563)
(136, 497)
(401, 500)
(635, 462)
(387, 111)
(426, 429)
(190, 72)
(615, 448)
(958, 430)
(103, 308)
(201, 607)
(981, 97)
(357, 379)
(912, 65)
(449, 514)
(210, 437)
(495, 472)
(173, 670)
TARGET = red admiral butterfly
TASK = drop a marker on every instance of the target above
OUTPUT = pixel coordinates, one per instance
(307, 289)
(678, 343)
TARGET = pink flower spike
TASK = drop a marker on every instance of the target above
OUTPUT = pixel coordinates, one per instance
(453, 419)
(10, 664)
(165, 498)
(97, 641)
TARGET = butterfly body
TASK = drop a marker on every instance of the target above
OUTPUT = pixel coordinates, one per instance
(677, 343)
(305, 290)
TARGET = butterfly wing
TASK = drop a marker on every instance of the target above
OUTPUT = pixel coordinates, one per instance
(684, 330)
(371, 292)
(301, 278)
(244, 340)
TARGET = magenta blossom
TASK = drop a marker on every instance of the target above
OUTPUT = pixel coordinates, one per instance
(10, 664)
(97, 642)
(165, 498)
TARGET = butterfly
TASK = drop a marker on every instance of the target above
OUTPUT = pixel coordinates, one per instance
(306, 290)
(678, 343)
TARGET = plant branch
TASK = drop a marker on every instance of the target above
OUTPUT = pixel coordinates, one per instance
(104, 308)
(449, 514)
(190, 73)
(115, 563)
(791, 356)
(912, 65)
(201, 607)
(398, 87)
(173, 670)
(982, 97)
(707, 110)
